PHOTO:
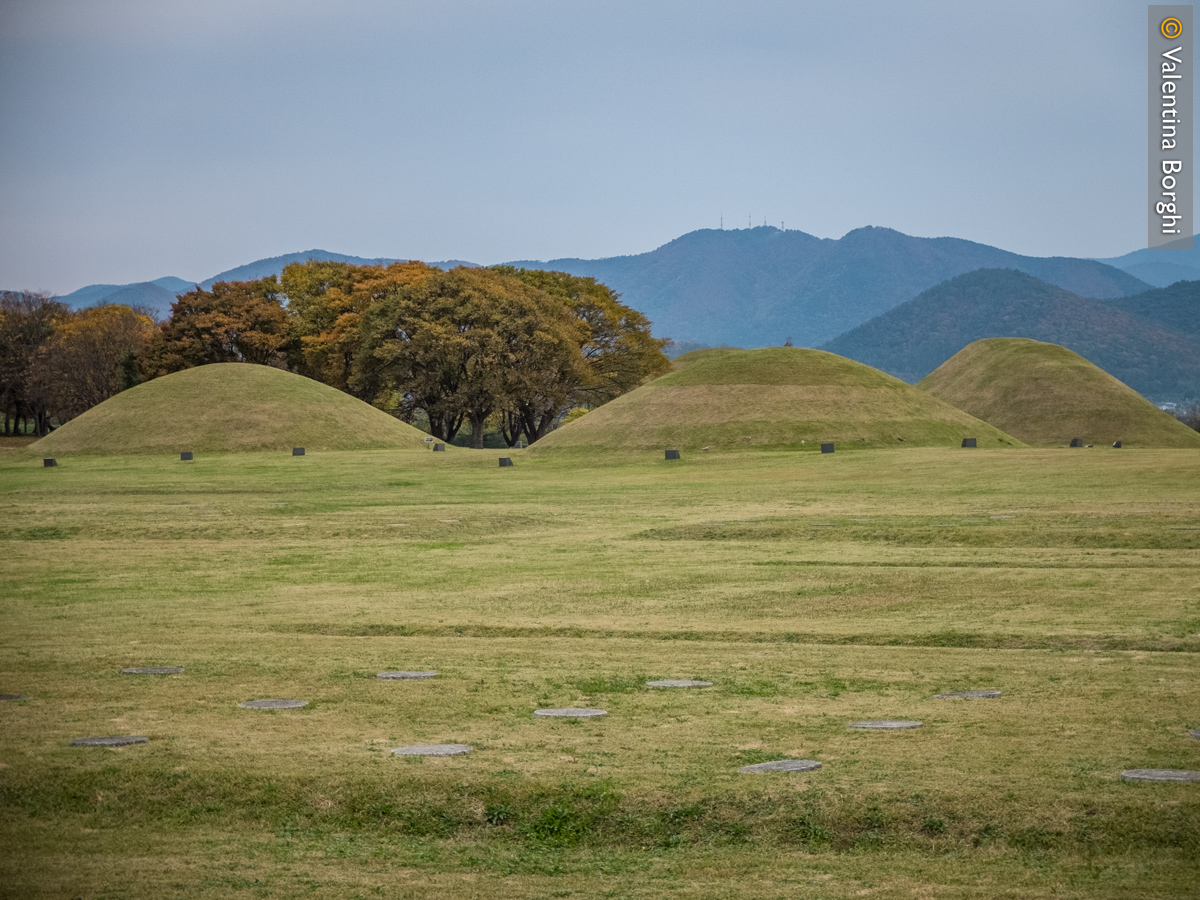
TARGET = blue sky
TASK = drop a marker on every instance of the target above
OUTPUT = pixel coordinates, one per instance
(151, 138)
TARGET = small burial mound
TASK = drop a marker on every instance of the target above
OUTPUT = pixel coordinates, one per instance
(1047, 395)
(773, 398)
(229, 408)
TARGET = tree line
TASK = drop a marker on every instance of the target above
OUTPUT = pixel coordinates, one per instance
(58, 362)
(453, 350)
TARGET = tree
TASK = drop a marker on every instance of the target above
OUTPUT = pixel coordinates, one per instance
(326, 302)
(463, 344)
(81, 364)
(616, 345)
(27, 321)
(237, 321)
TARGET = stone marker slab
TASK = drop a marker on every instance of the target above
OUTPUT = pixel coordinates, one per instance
(827, 448)
(439, 448)
(679, 683)
(406, 676)
(969, 442)
(1116, 445)
(433, 750)
(120, 740)
(153, 670)
(185, 456)
(49, 463)
(781, 765)
(886, 724)
(571, 712)
(968, 695)
(506, 462)
(13, 697)
(1159, 775)
(297, 451)
(672, 454)
(272, 704)
(1076, 442)
(520, 445)
(1194, 734)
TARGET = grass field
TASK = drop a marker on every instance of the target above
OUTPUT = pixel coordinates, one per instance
(812, 590)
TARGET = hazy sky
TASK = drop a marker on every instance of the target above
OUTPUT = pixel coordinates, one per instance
(142, 138)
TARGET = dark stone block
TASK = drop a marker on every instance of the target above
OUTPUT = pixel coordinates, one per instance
(117, 740)
(48, 463)
(505, 462)
(672, 454)
(439, 448)
(827, 448)
(185, 456)
(969, 442)
(1076, 442)
(1117, 445)
(297, 451)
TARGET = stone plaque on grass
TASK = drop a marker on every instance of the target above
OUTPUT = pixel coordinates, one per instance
(570, 712)
(433, 750)
(118, 740)
(153, 670)
(679, 683)
(49, 463)
(13, 697)
(297, 451)
(969, 442)
(781, 765)
(273, 704)
(505, 462)
(439, 448)
(1159, 775)
(672, 454)
(1076, 442)
(827, 448)
(406, 676)
(185, 456)
(886, 724)
(1116, 445)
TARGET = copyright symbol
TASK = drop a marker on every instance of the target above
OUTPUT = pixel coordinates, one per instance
(1171, 29)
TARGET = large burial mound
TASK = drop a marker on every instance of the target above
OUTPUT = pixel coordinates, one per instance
(1046, 395)
(229, 408)
(772, 398)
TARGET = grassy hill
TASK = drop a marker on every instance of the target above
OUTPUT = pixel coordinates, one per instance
(759, 286)
(1046, 395)
(772, 398)
(228, 408)
(1138, 339)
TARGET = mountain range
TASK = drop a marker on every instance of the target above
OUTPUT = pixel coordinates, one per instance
(1160, 267)
(1148, 340)
(762, 286)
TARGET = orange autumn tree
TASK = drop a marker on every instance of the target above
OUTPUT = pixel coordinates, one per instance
(327, 302)
(90, 357)
(235, 321)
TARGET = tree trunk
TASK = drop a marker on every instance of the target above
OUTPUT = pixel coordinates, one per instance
(477, 432)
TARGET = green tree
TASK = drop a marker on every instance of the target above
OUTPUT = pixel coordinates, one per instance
(616, 345)
(237, 321)
(464, 344)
